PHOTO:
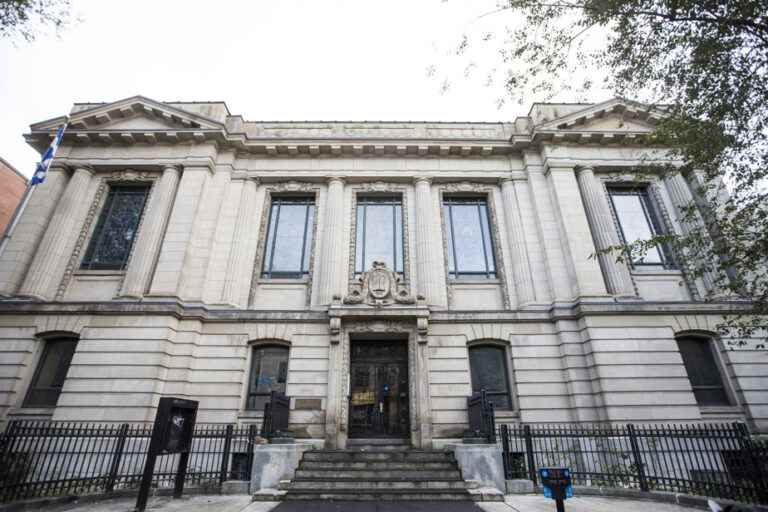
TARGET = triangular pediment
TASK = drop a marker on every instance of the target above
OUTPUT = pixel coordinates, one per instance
(615, 115)
(132, 114)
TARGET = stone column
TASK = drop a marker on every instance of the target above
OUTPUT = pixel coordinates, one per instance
(429, 263)
(617, 276)
(176, 250)
(145, 252)
(20, 248)
(52, 254)
(331, 272)
(681, 196)
(240, 265)
(521, 269)
(575, 236)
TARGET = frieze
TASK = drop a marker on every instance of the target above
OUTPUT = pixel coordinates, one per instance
(129, 176)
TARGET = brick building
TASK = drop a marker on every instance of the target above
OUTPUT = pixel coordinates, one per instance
(12, 187)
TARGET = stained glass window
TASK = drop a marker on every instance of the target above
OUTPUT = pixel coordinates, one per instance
(51, 373)
(470, 247)
(116, 230)
(699, 361)
(269, 372)
(488, 366)
(638, 221)
(289, 238)
(379, 232)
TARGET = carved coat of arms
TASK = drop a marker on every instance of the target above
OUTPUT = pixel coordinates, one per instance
(378, 286)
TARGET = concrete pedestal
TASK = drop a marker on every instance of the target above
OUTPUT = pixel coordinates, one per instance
(275, 462)
(480, 462)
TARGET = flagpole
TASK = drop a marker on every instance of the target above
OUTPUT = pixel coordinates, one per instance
(28, 193)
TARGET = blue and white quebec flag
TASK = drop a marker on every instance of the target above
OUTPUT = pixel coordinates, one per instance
(42, 168)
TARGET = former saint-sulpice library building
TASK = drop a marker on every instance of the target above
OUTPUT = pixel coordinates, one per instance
(375, 272)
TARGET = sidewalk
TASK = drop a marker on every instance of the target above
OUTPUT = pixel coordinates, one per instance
(526, 503)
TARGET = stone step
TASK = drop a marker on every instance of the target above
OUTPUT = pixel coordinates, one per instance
(379, 484)
(380, 456)
(377, 465)
(374, 495)
(402, 474)
(378, 441)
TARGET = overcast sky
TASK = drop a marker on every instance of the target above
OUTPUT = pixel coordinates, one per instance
(268, 59)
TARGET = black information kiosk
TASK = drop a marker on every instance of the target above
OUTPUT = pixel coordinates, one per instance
(172, 433)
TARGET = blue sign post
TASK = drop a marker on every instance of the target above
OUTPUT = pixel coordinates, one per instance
(557, 485)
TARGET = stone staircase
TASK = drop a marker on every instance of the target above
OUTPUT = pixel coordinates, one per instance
(376, 471)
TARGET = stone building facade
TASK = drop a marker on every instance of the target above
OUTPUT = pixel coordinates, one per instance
(375, 272)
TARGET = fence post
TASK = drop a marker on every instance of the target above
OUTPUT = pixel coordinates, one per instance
(748, 449)
(505, 455)
(114, 467)
(638, 459)
(252, 432)
(529, 453)
(225, 456)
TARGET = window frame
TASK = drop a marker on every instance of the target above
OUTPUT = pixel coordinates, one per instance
(96, 236)
(48, 342)
(711, 344)
(652, 217)
(389, 198)
(508, 372)
(254, 347)
(489, 248)
(267, 264)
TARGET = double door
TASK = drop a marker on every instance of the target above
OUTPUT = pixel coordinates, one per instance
(378, 389)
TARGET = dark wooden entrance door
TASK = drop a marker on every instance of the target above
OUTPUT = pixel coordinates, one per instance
(378, 402)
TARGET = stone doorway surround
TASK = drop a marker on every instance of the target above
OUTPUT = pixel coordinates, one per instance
(405, 319)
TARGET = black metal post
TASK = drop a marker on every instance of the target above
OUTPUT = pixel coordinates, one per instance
(114, 467)
(146, 477)
(529, 453)
(181, 474)
(560, 505)
(638, 459)
(225, 455)
(251, 444)
(505, 455)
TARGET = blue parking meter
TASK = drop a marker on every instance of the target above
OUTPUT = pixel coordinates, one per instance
(557, 486)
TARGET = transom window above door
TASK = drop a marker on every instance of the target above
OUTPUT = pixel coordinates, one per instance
(289, 238)
(468, 233)
(379, 232)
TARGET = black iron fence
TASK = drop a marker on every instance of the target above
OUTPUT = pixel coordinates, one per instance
(41, 459)
(715, 460)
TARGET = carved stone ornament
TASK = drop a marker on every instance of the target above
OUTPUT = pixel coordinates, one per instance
(379, 286)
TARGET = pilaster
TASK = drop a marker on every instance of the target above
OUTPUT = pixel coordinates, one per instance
(429, 263)
(59, 239)
(145, 252)
(617, 276)
(521, 269)
(330, 277)
(237, 283)
(575, 235)
(20, 248)
(176, 248)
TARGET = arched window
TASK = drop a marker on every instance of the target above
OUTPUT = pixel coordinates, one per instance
(703, 372)
(488, 366)
(51, 372)
(269, 372)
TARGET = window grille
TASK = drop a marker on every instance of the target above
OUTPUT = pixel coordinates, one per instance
(488, 366)
(115, 232)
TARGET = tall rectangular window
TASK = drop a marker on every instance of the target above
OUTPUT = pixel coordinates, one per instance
(269, 372)
(51, 373)
(638, 221)
(115, 232)
(379, 232)
(702, 370)
(289, 237)
(470, 247)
